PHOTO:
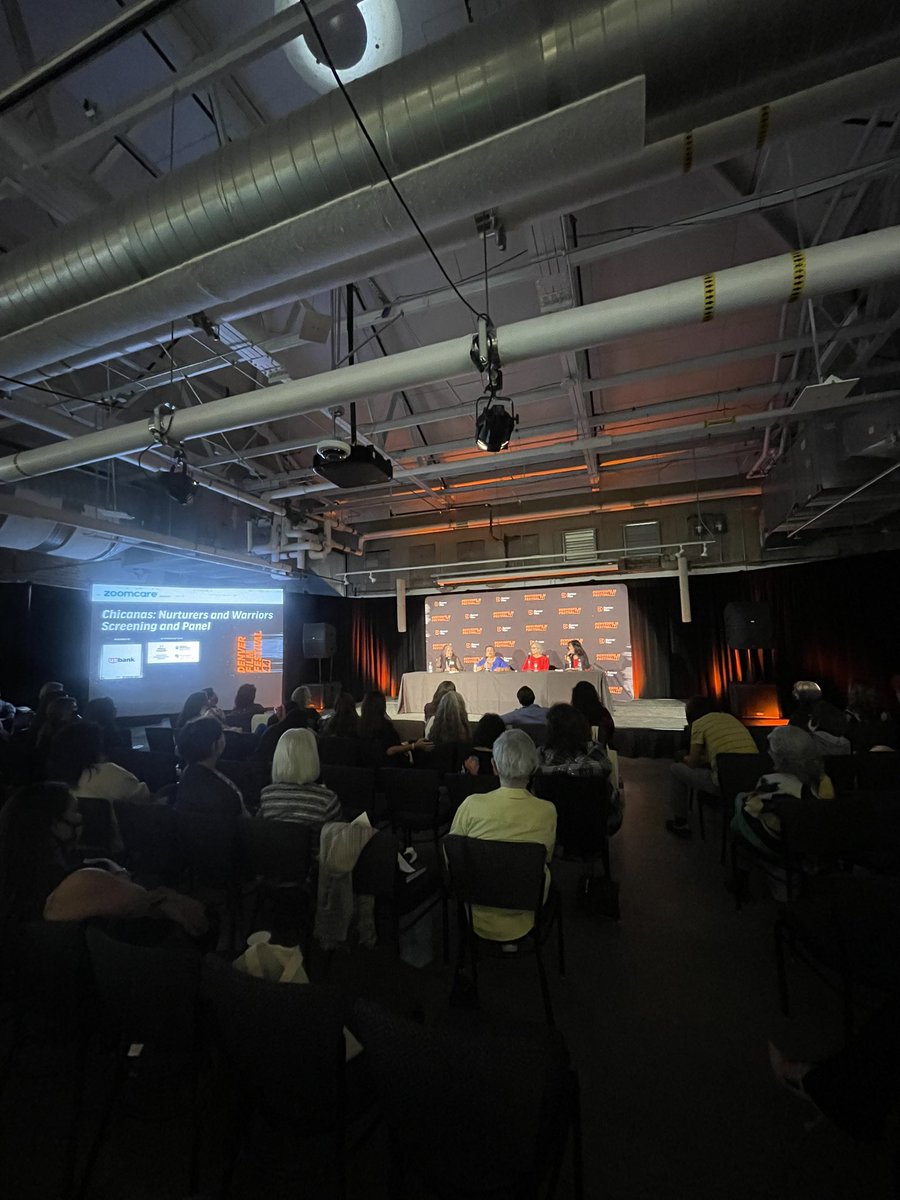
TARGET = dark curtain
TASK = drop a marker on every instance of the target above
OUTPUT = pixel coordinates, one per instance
(834, 622)
(45, 634)
(382, 654)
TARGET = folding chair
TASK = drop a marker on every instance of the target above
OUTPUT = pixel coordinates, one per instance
(277, 855)
(148, 834)
(355, 788)
(736, 773)
(458, 787)
(209, 850)
(494, 874)
(160, 739)
(339, 751)
(398, 895)
(284, 1051)
(98, 827)
(414, 803)
(149, 997)
(514, 1080)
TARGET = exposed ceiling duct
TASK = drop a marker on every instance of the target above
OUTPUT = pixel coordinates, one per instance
(56, 539)
(852, 263)
(525, 61)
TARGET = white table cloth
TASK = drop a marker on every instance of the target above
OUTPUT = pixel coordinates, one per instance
(495, 691)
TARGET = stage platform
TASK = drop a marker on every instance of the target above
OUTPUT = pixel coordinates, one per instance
(644, 728)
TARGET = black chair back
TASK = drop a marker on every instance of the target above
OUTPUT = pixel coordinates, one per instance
(740, 773)
(249, 775)
(497, 874)
(583, 805)
(96, 823)
(160, 739)
(148, 834)
(277, 851)
(841, 770)
(208, 847)
(537, 733)
(412, 798)
(284, 1044)
(339, 751)
(152, 767)
(514, 1080)
(446, 759)
(355, 786)
(460, 786)
(878, 771)
(239, 746)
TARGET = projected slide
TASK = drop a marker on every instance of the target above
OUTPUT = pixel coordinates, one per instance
(595, 614)
(152, 646)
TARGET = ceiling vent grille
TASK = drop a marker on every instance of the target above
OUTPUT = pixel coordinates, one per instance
(642, 539)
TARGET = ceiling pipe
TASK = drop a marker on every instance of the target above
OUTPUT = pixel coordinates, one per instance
(151, 460)
(855, 262)
(123, 25)
(707, 145)
(520, 57)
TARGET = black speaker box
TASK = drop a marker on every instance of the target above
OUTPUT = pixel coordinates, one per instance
(323, 695)
(748, 625)
(319, 641)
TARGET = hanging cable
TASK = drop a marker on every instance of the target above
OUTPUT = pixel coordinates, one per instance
(364, 131)
(43, 387)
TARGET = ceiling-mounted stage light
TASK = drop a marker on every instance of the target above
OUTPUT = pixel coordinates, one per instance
(360, 35)
(495, 423)
(177, 482)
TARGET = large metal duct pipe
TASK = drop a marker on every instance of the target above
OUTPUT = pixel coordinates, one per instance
(853, 263)
(57, 539)
(487, 78)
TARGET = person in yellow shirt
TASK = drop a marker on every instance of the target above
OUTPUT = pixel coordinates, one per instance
(508, 814)
(712, 733)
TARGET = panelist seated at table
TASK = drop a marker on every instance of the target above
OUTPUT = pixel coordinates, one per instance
(577, 657)
(491, 661)
(450, 660)
(537, 660)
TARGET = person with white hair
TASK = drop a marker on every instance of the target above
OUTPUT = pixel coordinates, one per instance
(295, 793)
(798, 772)
(508, 814)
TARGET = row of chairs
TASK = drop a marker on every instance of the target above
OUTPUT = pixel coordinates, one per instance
(280, 1051)
(848, 773)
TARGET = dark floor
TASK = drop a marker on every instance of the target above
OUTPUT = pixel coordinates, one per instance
(667, 1015)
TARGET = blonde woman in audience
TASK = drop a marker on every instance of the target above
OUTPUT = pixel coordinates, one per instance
(295, 793)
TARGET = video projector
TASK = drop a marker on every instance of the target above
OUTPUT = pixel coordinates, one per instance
(351, 466)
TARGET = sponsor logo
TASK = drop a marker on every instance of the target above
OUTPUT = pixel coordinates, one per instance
(568, 612)
(535, 596)
(128, 594)
(570, 625)
(535, 612)
(120, 660)
(606, 624)
(510, 645)
(568, 595)
(607, 657)
(473, 629)
(604, 608)
(504, 612)
(535, 628)
(471, 603)
(616, 690)
(604, 592)
(501, 599)
(502, 628)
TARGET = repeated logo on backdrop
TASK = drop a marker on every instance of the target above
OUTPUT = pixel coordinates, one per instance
(509, 621)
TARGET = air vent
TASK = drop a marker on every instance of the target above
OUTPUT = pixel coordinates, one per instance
(641, 539)
(580, 545)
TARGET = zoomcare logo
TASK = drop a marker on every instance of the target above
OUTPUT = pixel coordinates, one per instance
(129, 594)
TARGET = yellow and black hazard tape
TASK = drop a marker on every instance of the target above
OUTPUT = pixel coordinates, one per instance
(709, 297)
(762, 129)
(798, 259)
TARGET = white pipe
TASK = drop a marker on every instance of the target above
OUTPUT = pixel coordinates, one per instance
(855, 262)
(401, 605)
(684, 591)
(325, 546)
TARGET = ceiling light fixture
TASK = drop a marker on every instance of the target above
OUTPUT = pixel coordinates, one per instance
(177, 481)
(360, 37)
(494, 422)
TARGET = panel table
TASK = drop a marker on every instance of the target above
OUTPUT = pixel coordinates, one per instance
(495, 691)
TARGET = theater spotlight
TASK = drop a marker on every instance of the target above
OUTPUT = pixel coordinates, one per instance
(494, 424)
(177, 482)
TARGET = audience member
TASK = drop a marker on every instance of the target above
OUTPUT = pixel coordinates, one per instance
(868, 727)
(302, 698)
(197, 705)
(245, 708)
(510, 813)
(481, 760)
(712, 733)
(450, 723)
(798, 771)
(102, 711)
(61, 711)
(295, 793)
(431, 707)
(827, 724)
(41, 877)
(203, 788)
(345, 720)
(586, 699)
(212, 705)
(78, 758)
(528, 713)
(294, 717)
(377, 728)
(570, 750)
(48, 692)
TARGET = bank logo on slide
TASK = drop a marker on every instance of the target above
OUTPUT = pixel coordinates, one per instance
(121, 660)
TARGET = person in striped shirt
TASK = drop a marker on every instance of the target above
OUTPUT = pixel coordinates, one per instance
(295, 793)
(712, 733)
